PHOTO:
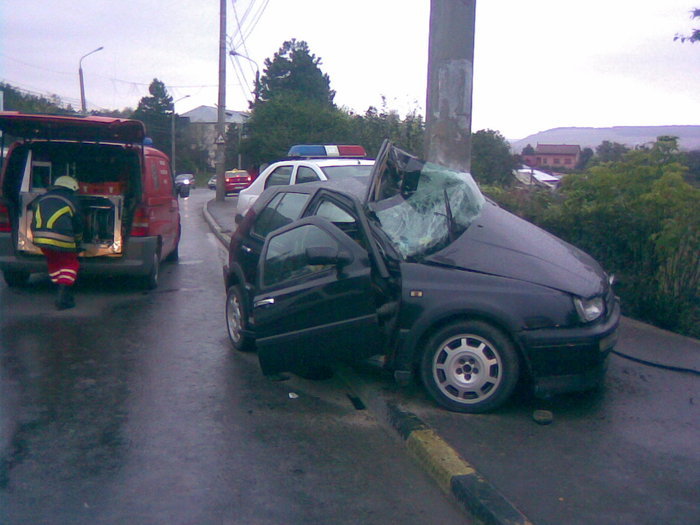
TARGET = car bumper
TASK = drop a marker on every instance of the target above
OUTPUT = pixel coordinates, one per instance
(570, 359)
(136, 260)
(236, 187)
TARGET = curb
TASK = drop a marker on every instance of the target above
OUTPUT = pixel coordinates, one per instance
(224, 236)
(454, 475)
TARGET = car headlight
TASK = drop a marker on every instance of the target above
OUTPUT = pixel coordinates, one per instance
(589, 309)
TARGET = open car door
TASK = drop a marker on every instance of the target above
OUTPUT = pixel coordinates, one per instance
(315, 302)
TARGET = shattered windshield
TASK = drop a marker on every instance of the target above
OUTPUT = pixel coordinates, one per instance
(423, 207)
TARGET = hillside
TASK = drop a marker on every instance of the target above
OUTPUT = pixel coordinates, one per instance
(629, 135)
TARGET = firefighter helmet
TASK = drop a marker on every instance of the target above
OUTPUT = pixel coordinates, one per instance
(67, 182)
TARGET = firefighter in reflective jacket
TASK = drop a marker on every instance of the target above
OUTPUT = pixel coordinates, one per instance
(57, 228)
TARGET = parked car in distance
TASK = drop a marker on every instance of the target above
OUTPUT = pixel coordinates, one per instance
(211, 183)
(308, 163)
(126, 191)
(184, 183)
(418, 267)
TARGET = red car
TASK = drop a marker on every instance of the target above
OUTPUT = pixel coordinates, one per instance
(237, 180)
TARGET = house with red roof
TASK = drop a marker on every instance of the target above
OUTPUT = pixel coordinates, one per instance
(553, 156)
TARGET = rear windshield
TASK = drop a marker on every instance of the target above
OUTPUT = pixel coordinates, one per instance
(424, 211)
(338, 172)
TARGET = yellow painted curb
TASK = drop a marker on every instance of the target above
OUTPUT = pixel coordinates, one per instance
(441, 460)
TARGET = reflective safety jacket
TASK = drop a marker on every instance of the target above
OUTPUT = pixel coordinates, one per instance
(57, 223)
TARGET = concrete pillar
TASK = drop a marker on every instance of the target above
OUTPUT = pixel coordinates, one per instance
(450, 75)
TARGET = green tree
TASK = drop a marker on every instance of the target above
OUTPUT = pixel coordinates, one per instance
(585, 157)
(639, 218)
(294, 69)
(295, 106)
(156, 111)
(289, 119)
(528, 150)
(694, 36)
(17, 100)
(609, 151)
(376, 125)
(492, 161)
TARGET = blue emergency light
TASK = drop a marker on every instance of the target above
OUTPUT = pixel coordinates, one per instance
(328, 150)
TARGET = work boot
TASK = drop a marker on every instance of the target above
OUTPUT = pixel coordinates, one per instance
(65, 298)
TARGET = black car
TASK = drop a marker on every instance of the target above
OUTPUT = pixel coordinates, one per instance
(418, 267)
(185, 182)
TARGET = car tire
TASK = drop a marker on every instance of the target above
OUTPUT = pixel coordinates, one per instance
(236, 320)
(469, 366)
(174, 256)
(15, 278)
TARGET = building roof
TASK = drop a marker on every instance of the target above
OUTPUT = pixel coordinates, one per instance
(557, 149)
(210, 115)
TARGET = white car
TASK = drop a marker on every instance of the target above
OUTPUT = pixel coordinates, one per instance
(308, 163)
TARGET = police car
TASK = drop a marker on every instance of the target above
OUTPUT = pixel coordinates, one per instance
(308, 163)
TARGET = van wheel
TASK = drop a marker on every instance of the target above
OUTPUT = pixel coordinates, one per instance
(15, 278)
(150, 282)
(174, 256)
(237, 320)
(469, 366)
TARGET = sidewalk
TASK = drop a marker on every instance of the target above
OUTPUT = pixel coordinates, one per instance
(458, 478)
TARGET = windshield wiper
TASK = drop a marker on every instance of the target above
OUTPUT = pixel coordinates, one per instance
(452, 235)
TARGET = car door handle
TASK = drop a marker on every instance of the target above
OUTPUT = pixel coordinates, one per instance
(264, 302)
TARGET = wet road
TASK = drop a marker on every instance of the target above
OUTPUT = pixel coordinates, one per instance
(131, 408)
(629, 453)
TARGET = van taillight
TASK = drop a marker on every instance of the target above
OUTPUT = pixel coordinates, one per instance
(139, 226)
(5, 225)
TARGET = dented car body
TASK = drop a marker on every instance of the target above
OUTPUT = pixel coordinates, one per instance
(418, 267)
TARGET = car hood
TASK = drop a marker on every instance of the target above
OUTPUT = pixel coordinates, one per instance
(60, 127)
(500, 243)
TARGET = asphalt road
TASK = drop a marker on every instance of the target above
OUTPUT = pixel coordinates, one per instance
(131, 408)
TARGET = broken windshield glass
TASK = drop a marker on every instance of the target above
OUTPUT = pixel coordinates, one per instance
(422, 206)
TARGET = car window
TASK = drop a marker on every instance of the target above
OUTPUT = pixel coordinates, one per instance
(306, 174)
(341, 218)
(282, 209)
(279, 177)
(425, 208)
(286, 260)
(338, 172)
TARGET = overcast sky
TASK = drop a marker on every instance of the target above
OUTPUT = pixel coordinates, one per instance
(538, 64)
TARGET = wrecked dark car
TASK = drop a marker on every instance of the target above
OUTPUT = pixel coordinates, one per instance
(420, 268)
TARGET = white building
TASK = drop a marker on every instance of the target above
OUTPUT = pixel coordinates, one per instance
(202, 128)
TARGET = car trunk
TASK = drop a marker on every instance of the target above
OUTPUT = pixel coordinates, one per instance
(109, 181)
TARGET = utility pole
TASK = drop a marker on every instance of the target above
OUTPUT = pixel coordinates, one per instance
(221, 120)
(450, 75)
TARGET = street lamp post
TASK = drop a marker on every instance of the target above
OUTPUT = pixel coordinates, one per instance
(235, 53)
(80, 75)
(172, 135)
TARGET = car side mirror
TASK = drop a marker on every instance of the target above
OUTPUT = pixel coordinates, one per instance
(327, 255)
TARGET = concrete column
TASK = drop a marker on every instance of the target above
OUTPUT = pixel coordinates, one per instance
(450, 74)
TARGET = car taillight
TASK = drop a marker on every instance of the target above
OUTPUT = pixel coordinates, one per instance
(140, 224)
(5, 224)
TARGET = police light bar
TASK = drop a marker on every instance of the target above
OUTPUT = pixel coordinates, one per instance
(318, 150)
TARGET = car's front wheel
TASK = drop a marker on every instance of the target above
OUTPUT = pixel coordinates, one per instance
(236, 320)
(14, 278)
(469, 366)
